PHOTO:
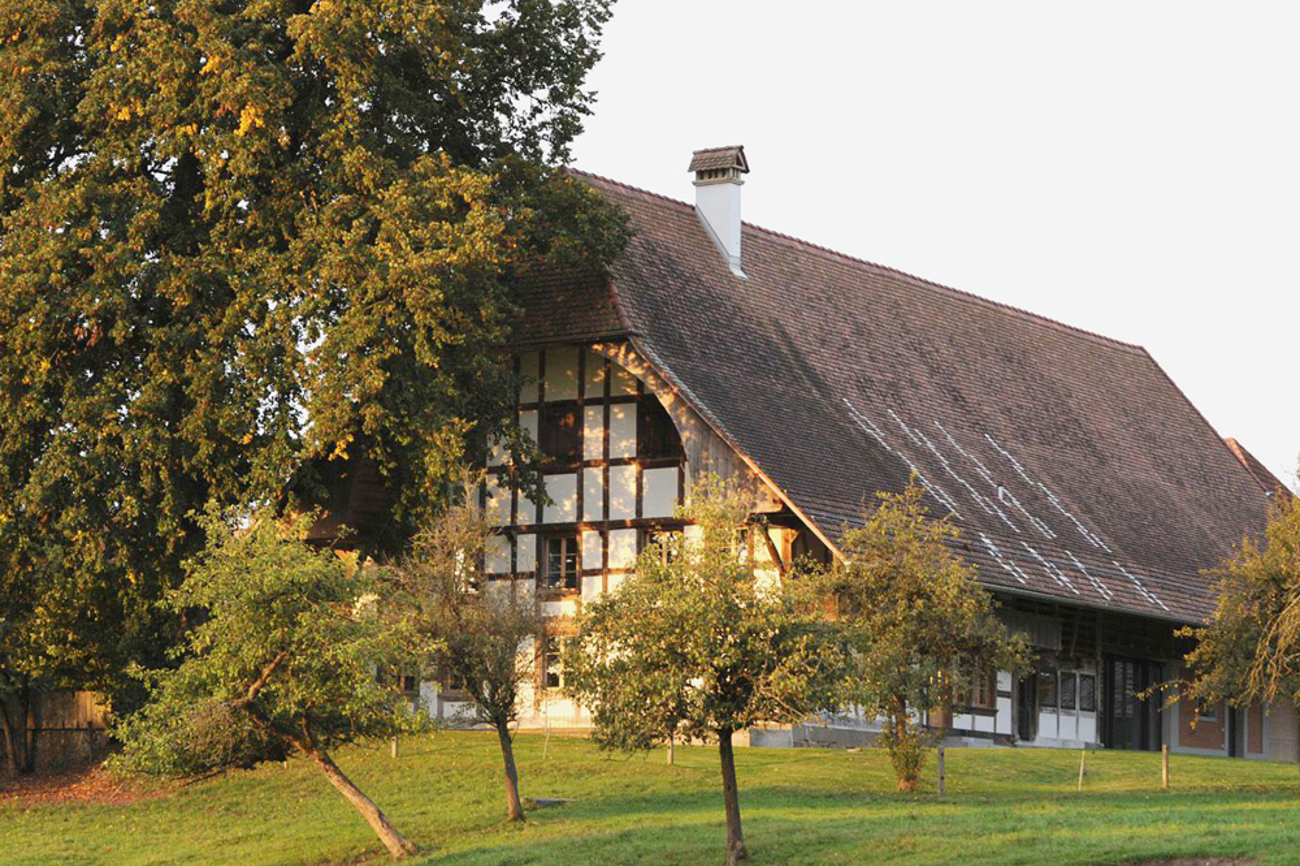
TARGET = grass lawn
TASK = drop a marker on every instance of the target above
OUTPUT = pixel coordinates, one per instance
(799, 806)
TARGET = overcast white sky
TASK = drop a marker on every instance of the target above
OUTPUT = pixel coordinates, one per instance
(1130, 168)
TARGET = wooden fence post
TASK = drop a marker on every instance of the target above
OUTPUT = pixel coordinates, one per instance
(395, 749)
(1164, 767)
(671, 740)
(941, 771)
(1083, 758)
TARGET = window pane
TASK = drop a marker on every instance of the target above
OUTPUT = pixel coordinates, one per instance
(1047, 688)
(1067, 691)
(1088, 693)
(557, 432)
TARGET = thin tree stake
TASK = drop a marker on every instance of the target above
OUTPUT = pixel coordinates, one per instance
(941, 773)
(1083, 757)
(1164, 767)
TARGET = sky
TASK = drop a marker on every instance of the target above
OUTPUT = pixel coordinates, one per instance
(1129, 168)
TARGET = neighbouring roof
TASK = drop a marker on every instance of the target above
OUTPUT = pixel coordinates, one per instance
(1075, 468)
(1265, 479)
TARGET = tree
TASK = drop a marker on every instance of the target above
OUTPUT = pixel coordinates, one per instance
(695, 642)
(479, 633)
(921, 626)
(284, 661)
(241, 240)
(1249, 651)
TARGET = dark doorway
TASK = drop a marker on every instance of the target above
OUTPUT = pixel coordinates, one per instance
(1132, 722)
(1027, 708)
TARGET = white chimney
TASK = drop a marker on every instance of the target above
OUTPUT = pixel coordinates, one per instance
(718, 181)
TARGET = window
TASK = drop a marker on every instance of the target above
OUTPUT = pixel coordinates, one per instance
(1087, 693)
(407, 683)
(1208, 714)
(558, 433)
(1047, 688)
(667, 541)
(984, 693)
(553, 662)
(1068, 684)
(655, 434)
(560, 567)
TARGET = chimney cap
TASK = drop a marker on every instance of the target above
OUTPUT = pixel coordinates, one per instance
(720, 159)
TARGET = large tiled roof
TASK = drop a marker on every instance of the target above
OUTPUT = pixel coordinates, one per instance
(1074, 467)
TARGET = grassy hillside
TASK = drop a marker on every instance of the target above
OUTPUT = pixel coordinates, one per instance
(800, 806)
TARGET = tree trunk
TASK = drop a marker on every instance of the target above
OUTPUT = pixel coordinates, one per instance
(514, 811)
(397, 844)
(731, 799)
(11, 744)
(671, 744)
(27, 729)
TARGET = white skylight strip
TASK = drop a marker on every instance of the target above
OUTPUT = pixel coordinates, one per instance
(874, 432)
(1096, 582)
(1010, 567)
(1092, 537)
(1052, 571)
(1146, 593)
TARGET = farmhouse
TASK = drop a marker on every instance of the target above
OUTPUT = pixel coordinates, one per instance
(1089, 492)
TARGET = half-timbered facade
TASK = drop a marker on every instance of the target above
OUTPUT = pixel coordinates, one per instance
(1090, 494)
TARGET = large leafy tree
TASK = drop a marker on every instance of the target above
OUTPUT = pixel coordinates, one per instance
(284, 662)
(696, 643)
(921, 626)
(479, 633)
(1249, 651)
(240, 239)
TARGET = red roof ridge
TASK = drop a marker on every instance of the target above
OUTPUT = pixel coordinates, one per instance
(962, 294)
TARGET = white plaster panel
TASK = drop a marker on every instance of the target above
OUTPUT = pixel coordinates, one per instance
(561, 374)
(527, 510)
(1047, 725)
(528, 423)
(659, 492)
(1004, 681)
(528, 371)
(593, 494)
(622, 430)
(984, 724)
(1004, 711)
(563, 491)
(615, 580)
(622, 548)
(594, 384)
(1088, 727)
(526, 553)
(592, 548)
(1067, 726)
(496, 506)
(592, 586)
(622, 492)
(593, 432)
(497, 555)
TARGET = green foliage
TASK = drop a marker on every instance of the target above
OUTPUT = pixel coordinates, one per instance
(1250, 649)
(921, 625)
(284, 657)
(695, 643)
(480, 632)
(240, 239)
